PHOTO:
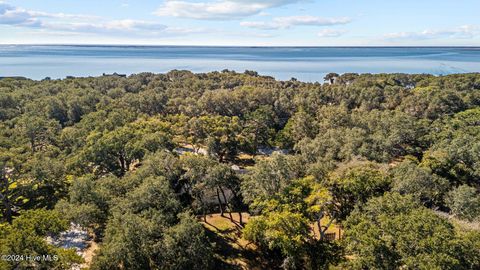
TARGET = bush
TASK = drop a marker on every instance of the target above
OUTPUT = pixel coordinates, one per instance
(464, 202)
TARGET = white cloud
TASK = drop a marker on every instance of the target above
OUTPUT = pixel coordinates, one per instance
(117, 26)
(19, 16)
(462, 32)
(331, 33)
(121, 27)
(260, 25)
(219, 9)
(74, 23)
(186, 31)
(40, 14)
(290, 21)
(10, 15)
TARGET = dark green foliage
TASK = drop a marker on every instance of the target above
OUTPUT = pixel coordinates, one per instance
(455, 153)
(464, 202)
(185, 246)
(419, 182)
(144, 232)
(86, 205)
(395, 232)
(354, 183)
(106, 153)
(25, 237)
(270, 177)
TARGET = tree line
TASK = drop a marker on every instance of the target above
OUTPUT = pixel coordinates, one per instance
(386, 157)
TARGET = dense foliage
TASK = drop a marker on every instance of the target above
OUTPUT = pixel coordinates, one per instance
(141, 161)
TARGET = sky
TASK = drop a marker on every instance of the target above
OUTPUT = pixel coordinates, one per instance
(242, 22)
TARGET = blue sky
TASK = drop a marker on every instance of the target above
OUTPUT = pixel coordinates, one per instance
(242, 22)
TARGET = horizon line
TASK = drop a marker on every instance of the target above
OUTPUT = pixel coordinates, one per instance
(240, 46)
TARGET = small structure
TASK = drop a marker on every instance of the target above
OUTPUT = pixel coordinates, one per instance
(183, 150)
(187, 148)
(14, 78)
(115, 74)
(330, 236)
(238, 169)
(266, 151)
(76, 238)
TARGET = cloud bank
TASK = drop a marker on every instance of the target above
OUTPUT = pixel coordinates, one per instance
(330, 33)
(291, 21)
(462, 32)
(77, 23)
(218, 10)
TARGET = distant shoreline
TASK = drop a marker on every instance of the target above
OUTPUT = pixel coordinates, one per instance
(118, 75)
(239, 46)
(309, 64)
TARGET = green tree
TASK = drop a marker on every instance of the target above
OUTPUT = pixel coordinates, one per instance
(116, 151)
(331, 77)
(185, 246)
(223, 137)
(424, 186)
(259, 128)
(145, 232)
(301, 125)
(464, 202)
(284, 231)
(394, 232)
(353, 184)
(197, 182)
(85, 206)
(222, 178)
(47, 176)
(12, 188)
(37, 130)
(270, 177)
(26, 237)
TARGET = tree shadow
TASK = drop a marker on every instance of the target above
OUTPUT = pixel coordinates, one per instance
(234, 255)
(225, 251)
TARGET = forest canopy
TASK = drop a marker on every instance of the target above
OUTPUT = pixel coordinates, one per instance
(142, 162)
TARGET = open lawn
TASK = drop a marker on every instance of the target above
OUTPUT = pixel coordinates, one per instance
(234, 251)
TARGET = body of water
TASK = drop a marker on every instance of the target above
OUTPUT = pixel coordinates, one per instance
(303, 63)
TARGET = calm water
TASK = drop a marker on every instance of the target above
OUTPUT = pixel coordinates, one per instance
(308, 64)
